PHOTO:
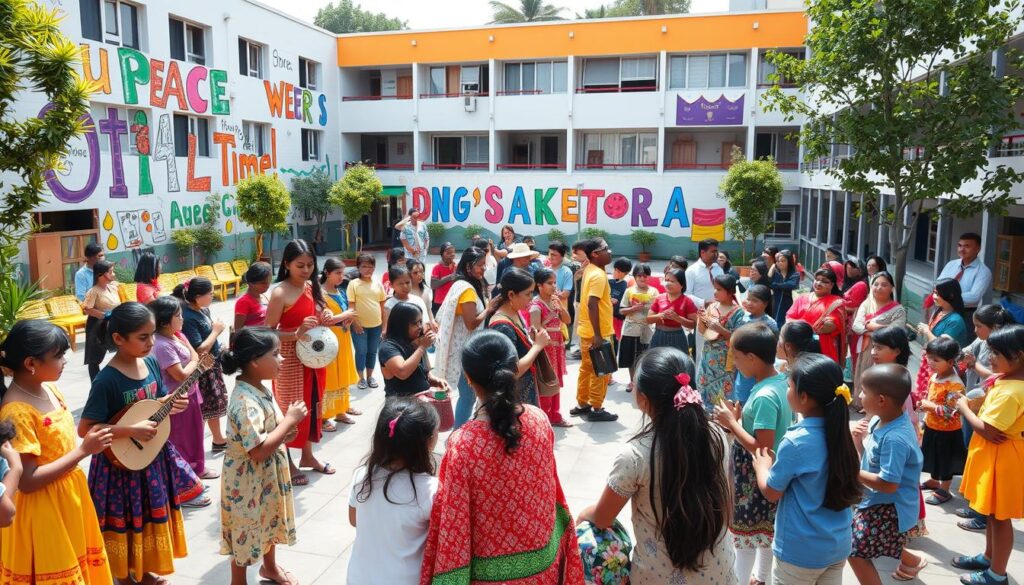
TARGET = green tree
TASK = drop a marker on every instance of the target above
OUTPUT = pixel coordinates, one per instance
(263, 202)
(599, 12)
(902, 76)
(648, 7)
(346, 17)
(356, 193)
(528, 11)
(34, 55)
(752, 190)
(310, 194)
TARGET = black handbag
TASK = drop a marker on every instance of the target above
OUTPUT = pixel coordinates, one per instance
(603, 359)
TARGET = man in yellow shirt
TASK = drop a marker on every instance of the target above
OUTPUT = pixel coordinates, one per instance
(594, 327)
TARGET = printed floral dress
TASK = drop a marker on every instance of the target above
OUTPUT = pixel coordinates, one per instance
(256, 510)
(716, 375)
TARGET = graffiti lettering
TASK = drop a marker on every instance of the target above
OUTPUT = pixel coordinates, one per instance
(280, 62)
(294, 103)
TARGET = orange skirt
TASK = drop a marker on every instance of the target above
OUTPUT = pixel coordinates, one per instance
(992, 481)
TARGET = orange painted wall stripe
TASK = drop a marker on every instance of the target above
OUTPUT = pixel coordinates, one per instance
(591, 37)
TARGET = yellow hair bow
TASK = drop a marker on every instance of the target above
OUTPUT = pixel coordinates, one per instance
(844, 391)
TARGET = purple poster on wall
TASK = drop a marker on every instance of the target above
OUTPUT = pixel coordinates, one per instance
(702, 112)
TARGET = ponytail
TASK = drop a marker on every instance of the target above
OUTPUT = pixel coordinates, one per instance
(821, 379)
(490, 361)
(692, 500)
(248, 344)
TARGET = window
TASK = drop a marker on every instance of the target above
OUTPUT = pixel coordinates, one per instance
(475, 150)
(127, 115)
(535, 77)
(188, 41)
(782, 224)
(437, 78)
(310, 144)
(195, 126)
(630, 148)
(768, 69)
(308, 74)
(708, 71)
(112, 21)
(600, 73)
(250, 58)
(470, 79)
(926, 238)
(254, 137)
(638, 72)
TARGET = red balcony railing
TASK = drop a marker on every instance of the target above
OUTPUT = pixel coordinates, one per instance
(787, 166)
(374, 98)
(383, 166)
(519, 92)
(616, 89)
(452, 95)
(453, 167)
(697, 166)
(530, 166)
(647, 166)
(1010, 146)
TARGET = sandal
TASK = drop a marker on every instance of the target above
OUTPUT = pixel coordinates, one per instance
(209, 474)
(905, 573)
(354, 411)
(325, 469)
(976, 563)
(328, 426)
(200, 501)
(300, 479)
(217, 447)
(938, 497)
(345, 419)
(973, 525)
(983, 578)
(289, 578)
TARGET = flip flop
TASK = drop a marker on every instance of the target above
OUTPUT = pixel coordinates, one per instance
(209, 474)
(938, 497)
(354, 411)
(905, 573)
(290, 579)
(347, 420)
(325, 469)
(300, 479)
(328, 426)
(200, 501)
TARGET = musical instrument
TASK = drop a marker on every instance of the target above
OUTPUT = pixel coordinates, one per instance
(318, 348)
(135, 454)
(702, 328)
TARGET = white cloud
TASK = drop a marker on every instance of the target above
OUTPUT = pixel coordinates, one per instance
(425, 14)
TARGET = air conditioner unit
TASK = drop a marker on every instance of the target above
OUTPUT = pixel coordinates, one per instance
(469, 102)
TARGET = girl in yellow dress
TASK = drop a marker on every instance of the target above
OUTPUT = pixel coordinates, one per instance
(341, 373)
(55, 538)
(992, 482)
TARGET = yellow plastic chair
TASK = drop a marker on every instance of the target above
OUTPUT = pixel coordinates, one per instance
(33, 310)
(66, 313)
(240, 267)
(184, 275)
(219, 287)
(128, 292)
(167, 283)
(227, 275)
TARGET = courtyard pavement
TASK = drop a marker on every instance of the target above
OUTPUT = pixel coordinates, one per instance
(584, 454)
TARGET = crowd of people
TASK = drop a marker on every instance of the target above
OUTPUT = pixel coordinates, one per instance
(748, 467)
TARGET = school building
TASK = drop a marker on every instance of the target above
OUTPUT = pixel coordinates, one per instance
(571, 126)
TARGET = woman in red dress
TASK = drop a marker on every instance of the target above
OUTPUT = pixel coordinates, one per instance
(296, 306)
(824, 310)
(499, 514)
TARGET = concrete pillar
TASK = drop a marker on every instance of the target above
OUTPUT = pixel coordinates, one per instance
(492, 151)
(845, 245)
(417, 146)
(570, 136)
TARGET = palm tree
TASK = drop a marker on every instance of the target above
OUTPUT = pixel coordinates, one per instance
(599, 12)
(648, 7)
(528, 11)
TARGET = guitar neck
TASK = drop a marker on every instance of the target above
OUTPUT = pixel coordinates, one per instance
(182, 390)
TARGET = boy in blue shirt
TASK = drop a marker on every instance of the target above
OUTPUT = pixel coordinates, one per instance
(890, 468)
(83, 277)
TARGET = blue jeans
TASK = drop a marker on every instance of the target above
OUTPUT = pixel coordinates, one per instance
(464, 404)
(366, 345)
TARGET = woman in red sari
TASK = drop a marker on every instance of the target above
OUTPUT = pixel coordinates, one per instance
(824, 310)
(296, 306)
(499, 515)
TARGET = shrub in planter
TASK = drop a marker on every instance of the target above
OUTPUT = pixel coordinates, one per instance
(471, 231)
(645, 239)
(436, 231)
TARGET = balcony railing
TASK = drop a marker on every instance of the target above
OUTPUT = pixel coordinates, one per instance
(426, 96)
(787, 166)
(696, 166)
(382, 166)
(374, 98)
(454, 166)
(1010, 146)
(531, 166)
(642, 166)
(520, 92)
(616, 89)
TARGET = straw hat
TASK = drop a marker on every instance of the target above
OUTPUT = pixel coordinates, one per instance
(521, 250)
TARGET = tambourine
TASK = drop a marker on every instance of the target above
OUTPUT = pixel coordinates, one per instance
(318, 348)
(708, 333)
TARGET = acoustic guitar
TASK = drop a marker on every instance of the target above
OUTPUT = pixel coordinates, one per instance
(135, 454)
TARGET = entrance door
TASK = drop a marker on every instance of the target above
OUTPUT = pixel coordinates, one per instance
(684, 152)
(549, 150)
(404, 86)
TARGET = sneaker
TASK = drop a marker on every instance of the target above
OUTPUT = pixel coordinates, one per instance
(362, 384)
(580, 410)
(372, 383)
(602, 415)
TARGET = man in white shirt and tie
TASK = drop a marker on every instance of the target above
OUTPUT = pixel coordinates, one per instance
(700, 277)
(970, 271)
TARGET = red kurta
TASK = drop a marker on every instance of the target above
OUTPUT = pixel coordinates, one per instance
(294, 380)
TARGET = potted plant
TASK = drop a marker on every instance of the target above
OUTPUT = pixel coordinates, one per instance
(556, 234)
(593, 232)
(263, 202)
(356, 193)
(348, 257)
(471, 231)
(645, 239)
(436, 231)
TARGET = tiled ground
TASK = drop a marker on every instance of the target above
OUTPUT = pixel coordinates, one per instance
(584, 454)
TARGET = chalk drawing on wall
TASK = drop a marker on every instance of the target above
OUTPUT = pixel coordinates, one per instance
(325, 168)
(164, 151)
(133, 228)
(131, 231)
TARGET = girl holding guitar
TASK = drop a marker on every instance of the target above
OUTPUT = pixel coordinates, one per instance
(160, 488)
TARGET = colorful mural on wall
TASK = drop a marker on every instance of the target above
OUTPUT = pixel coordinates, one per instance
(554, 206)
